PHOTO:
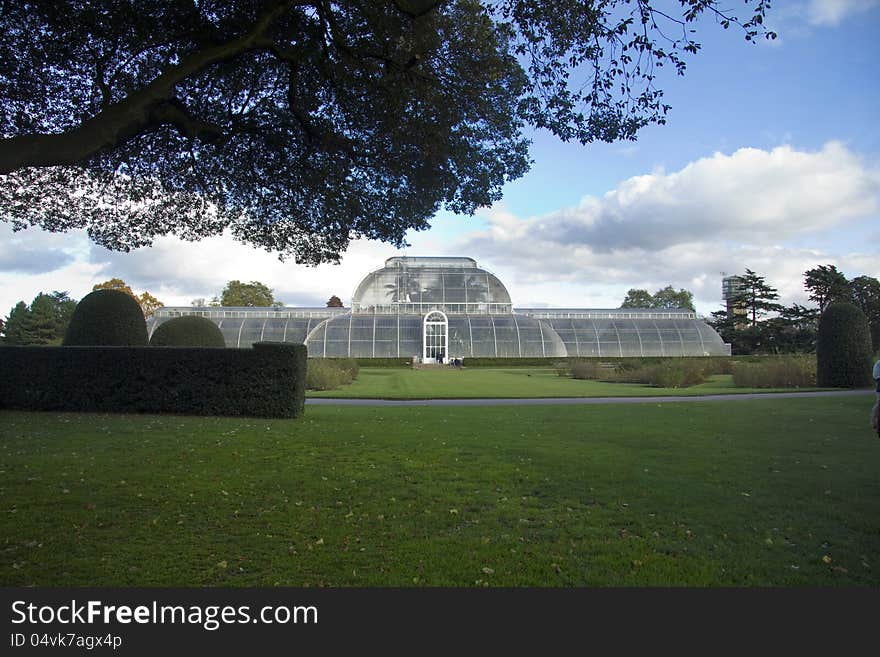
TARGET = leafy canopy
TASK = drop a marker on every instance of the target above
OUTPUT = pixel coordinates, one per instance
(827, 285)
(250, 294)
(663, 298)
(299, 125)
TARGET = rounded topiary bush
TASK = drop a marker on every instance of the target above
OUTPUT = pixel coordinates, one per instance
(107, 318)
(843, 348)
(187, 331)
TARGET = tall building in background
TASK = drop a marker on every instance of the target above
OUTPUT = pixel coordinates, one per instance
(731, 287)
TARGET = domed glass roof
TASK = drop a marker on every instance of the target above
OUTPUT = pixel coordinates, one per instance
(418, 285)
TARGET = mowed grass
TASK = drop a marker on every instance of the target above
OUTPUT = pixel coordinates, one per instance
(739, 493)
(524, 382)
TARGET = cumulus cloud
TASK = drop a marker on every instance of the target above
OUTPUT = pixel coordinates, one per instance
(177, 271)
(752, 194)
(719, 214)
(32, 251)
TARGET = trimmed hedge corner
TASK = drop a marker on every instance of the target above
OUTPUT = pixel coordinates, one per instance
(265, 381)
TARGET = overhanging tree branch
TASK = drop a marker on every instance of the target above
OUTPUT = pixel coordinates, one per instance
(145, 110)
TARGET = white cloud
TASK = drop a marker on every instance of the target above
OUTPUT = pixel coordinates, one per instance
(719, 214)
(833, 12)
(177, 271)
(32, 251)
(751, 194)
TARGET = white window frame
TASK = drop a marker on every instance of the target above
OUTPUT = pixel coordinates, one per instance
(441, 345)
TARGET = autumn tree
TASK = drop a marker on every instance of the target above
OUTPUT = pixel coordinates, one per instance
(250, 294)
(298, 125)
(148, 303)
(334, 302)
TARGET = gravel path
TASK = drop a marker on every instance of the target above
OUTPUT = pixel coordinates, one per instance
(576, 401)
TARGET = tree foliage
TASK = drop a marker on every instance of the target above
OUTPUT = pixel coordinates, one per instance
(43, 322)
(299, 125)
(756, 296)
(866, 296)
(827, 285)
(241, 294)
(334, 302)
(148, 303)
(637, 299)
(666, 297)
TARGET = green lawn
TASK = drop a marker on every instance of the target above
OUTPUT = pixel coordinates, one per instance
(742, 493)
(449, 383)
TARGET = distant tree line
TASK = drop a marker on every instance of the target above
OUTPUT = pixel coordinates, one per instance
(759, 324)
(664, 298)
(45, 320)
(250, 295)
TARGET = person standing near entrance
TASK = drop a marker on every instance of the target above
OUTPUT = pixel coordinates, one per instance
(875, 411)
(876, 375)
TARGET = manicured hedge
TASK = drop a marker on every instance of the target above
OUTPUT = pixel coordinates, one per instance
(843, 348)
(187, 331)
(107, 318)
(265, 381)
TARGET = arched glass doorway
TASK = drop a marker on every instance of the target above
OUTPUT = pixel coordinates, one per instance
(434, 337)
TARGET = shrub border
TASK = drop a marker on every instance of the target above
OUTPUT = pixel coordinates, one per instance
(267, 380)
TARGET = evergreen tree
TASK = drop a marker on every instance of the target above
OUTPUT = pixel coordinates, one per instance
(866, 295)
(64, 307)
(18, 325)
(827, 285)
(43, 321)
(756, 296)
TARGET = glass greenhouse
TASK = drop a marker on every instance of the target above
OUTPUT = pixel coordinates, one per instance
(437, 309)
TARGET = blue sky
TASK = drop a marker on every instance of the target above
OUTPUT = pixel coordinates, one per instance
(770, 160)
